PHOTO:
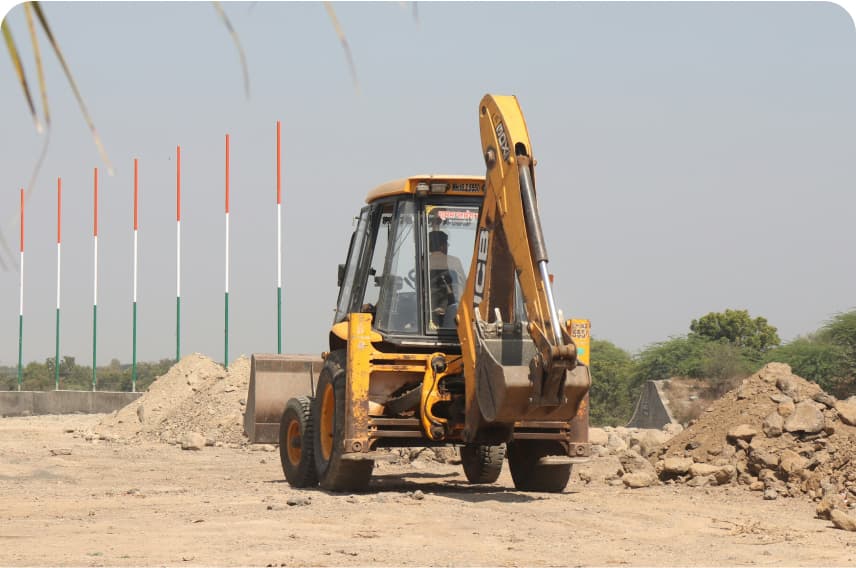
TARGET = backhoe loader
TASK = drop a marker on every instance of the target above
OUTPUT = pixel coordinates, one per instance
(446, 332)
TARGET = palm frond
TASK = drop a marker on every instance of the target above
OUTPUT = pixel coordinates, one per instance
(37, 54)
(19, 70)
(47, 29)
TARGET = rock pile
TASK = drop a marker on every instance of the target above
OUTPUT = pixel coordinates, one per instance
(197, 402)
(776, 434)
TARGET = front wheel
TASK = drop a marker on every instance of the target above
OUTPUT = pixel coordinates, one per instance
(482, 462)
(295, 443)
(530, 475)
(328, 411)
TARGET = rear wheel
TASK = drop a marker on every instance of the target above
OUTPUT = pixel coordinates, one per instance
(482, 462)
(335, 473)
(295, 443)
(529, 475)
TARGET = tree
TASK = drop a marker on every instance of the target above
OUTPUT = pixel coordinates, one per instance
(841, 331)
(738, 328)
(611, 369)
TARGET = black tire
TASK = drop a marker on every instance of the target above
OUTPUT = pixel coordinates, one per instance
(334, 473)
(482, 462)
(528, 475)
(296, 443)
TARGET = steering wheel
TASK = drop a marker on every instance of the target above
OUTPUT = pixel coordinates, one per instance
(410, 279)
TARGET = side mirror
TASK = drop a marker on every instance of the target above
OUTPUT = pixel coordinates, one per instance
(341, 276)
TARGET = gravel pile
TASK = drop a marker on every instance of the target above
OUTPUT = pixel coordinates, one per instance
(196, 402)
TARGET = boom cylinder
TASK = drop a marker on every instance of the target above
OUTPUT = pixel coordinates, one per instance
(536, 240)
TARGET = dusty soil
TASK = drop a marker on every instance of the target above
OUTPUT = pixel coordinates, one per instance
(66, 500)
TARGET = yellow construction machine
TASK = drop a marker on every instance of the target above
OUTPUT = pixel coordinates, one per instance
(446, 333)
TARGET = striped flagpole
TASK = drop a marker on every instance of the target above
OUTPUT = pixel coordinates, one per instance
(58, 275)
(134, 297)
(278, 239)
(178, 253)
(226, 346)
(95, 280)
(21, 303)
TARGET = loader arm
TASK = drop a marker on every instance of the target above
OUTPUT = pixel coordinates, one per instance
(521, 371)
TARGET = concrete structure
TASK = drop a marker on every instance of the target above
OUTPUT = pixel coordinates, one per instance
(32, 403)
(652, 408)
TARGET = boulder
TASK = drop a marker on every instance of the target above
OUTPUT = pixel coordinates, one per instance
(791, 462)
(787, 386)
(650, 441)
(725, 474)
(193, 441)
(672, 429)
(772, 371)
(786, 408)
(616, 443)
(806, 418)
(773, 425)
(703, 469)
(700, 481)
(677, 466)
(598, 436)
(828, 504)
(763, 459)
(639, 479)
(846, 412)
(742, 432)
(842, 520)
(779, 398)
(632, 462)
(825, 399)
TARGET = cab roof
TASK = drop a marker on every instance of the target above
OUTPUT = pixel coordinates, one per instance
(454, 185)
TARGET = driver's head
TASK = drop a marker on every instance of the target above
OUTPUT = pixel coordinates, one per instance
(438, 241)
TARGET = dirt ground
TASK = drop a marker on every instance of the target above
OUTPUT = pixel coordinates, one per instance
(68, 501)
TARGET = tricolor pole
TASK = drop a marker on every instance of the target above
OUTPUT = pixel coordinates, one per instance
(134, 298)
(278, 239)
(58, 266)
(95, 280)
(226, 345)
(178, 253)
(21, 303)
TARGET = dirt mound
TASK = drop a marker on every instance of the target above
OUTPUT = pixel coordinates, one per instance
(195, 395)
(776, 433)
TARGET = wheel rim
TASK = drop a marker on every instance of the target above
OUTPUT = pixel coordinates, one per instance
(328, 405)
(292, 439)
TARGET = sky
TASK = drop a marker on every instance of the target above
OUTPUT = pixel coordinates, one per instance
(692, 157)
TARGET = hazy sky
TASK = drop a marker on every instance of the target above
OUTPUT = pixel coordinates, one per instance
(691, 158)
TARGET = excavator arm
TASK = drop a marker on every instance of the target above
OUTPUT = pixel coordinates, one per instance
(517, 366)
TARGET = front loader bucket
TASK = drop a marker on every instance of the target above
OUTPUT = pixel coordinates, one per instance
(274, 379)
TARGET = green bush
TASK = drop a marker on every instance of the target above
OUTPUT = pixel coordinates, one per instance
(611, 369)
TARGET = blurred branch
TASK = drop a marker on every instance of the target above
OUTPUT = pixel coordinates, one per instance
(238, 46)
(344, 41)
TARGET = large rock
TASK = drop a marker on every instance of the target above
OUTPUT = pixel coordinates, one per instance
(806, 418)
(193, 441)
(672, 429)
(772, 371)
(824, 399)
(773, 425)
(639, 479)
(763, 459)
(598, 436)
(791, 462)
(616, 443)
(786, 408)
(725, 474)
(787, 386)
(677, 466)
(650, 441)
(632, 462)
(742, 432)
(846, 412)
(703, 469)
(842, 520)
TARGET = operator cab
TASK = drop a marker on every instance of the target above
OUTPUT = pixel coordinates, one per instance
(409, 258)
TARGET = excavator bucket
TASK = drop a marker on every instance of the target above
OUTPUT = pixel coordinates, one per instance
(274, 379)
